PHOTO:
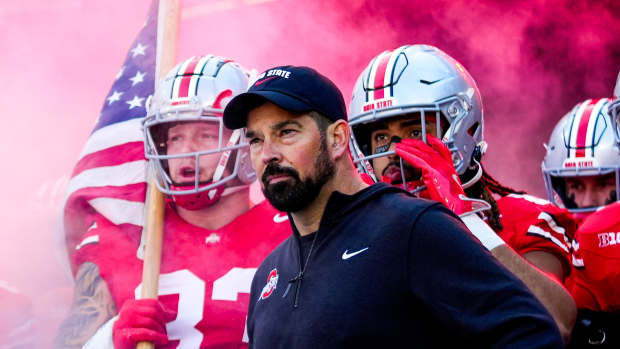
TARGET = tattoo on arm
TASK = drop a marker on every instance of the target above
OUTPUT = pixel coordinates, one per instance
(92, 306)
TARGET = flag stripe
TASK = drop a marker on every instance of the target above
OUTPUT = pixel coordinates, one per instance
(112, 156)
(119, 211)
(130, 192)
(113, 135)
(127, 173)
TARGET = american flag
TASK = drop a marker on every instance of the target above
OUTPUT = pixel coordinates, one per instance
(109, 180)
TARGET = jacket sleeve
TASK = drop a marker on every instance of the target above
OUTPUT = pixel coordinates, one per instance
(469, 291)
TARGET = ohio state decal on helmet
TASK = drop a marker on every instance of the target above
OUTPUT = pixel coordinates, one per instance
(272, 282)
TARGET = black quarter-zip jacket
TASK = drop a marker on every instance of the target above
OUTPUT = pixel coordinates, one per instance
(386, 270)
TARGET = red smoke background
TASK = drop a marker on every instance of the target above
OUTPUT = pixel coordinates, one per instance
(533, 60)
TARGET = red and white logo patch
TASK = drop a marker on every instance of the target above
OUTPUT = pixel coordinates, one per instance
(272, 282)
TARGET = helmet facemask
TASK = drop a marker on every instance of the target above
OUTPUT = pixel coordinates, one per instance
(584, 146)
(372, 141)
(214, 160)
(561, 182)
(227, 155)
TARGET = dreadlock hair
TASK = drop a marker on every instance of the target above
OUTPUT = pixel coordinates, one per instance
(484, 189)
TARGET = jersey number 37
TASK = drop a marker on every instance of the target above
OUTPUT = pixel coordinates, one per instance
(191, 292)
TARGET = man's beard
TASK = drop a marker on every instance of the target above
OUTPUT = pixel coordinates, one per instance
(293, 194)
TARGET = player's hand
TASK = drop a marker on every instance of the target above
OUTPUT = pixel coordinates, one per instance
(438, 173)
(141, 320)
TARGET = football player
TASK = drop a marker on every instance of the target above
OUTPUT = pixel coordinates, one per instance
(404, 104)
(213, 238)
(582, 172)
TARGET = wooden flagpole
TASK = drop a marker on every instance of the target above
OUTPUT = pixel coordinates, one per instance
(167, 34)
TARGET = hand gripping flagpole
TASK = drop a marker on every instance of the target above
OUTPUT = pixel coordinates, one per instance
(167, 34)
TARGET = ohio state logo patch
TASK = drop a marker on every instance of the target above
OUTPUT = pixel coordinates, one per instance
(272, 282)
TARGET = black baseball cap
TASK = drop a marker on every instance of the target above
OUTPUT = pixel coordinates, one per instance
(296, 89)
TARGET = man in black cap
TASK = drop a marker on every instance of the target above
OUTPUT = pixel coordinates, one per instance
(366, 266)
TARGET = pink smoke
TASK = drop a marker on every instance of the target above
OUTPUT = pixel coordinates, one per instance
(533, 60)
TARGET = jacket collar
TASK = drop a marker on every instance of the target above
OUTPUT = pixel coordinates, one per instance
(339, 204)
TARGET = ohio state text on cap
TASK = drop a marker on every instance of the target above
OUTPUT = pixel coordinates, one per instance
(297, 89)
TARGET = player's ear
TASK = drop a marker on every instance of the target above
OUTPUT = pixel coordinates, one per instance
(338, 138)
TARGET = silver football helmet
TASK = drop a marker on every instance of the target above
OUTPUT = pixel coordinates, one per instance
(614, 106)
(585, 142)
(197, 90)
(424, 80)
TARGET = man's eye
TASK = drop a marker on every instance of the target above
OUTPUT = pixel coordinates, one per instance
(253, 141)
(575, 186)
(416, 133)
(605, 184)
(174, 138)
(287, 132)
(381, 138)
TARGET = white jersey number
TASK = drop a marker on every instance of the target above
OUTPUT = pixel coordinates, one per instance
(191, 291)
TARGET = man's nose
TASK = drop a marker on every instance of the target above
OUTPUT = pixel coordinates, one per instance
(393, 142)
(590, 197)
(189, 146)
(270, 153)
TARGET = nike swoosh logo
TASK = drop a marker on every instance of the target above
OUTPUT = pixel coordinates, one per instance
(264, 80)
(279, 218)
(347, 255)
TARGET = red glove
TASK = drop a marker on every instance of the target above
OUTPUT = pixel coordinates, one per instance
(141, 320)
(438, 173)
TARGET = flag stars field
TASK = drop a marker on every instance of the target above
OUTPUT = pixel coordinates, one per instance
(138, 78)
(114, 97)
(136, 102)
(138, 50)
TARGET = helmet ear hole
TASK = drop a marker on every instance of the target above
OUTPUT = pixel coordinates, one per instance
(366, 148)
(477, 154)
(473, 129)
(159, 133)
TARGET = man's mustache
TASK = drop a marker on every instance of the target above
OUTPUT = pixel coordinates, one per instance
(411, 172)
(275, 169)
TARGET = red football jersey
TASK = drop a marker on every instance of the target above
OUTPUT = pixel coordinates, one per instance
(533, 224)
(597, 261)
(205, 274)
